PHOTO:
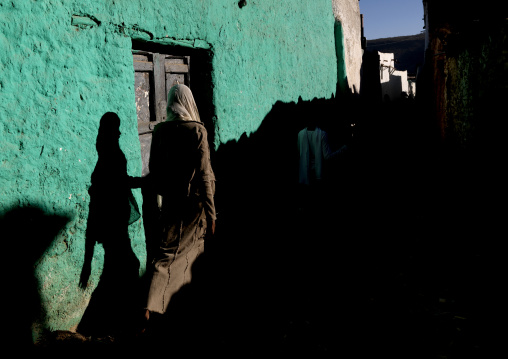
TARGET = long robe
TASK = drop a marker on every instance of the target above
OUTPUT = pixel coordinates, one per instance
(182, 176)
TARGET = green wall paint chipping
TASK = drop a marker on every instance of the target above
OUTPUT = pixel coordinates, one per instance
(65, 63)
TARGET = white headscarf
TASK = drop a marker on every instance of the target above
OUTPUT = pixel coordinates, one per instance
(181, 105)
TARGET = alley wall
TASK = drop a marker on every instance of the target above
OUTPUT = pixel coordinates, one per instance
(347, 15)
(64, 64)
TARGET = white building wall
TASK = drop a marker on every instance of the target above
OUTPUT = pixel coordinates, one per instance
(412, 88)
(402, 77)
(386, 61)
(348, 13)
(393, 82)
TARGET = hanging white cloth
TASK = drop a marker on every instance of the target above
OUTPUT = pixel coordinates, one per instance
(314, 150)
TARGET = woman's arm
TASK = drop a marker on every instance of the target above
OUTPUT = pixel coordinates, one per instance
(207, 176)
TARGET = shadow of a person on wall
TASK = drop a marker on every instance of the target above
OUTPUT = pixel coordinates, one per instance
(112, 209)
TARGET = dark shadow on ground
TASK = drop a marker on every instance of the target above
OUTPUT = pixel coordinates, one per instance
(386, 265)
(27, 233)
(393, 263)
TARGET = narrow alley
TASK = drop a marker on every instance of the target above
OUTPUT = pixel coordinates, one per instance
(366, 272)
(395, 255)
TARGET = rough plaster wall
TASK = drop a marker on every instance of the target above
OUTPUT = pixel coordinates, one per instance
(261, 51)
(270, 51)
(65, 63)
(348, 13)
(470, 76)
(460, 98)
(57, 81)
(464, 73)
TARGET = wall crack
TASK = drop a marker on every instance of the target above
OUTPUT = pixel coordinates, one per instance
(84, 21)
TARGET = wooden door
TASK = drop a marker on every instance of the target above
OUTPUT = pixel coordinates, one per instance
(154, 75)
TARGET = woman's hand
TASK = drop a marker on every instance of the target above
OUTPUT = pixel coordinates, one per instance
(210, 228)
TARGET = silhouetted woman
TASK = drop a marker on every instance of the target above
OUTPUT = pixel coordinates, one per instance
(182, 176)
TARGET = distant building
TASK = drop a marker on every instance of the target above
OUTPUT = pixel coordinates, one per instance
(393, 82)
(381, 81)
(411, 86)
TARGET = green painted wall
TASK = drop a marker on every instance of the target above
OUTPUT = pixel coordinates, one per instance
(65, 63)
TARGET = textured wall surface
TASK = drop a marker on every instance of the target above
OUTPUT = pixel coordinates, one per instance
(347, 12)
(465, 72)
(65, 63)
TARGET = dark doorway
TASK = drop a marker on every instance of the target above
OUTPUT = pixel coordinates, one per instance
(157, 68)
(155, 74)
